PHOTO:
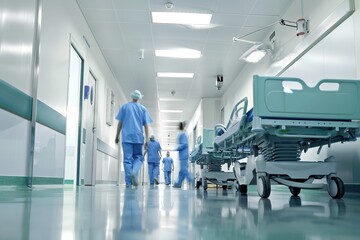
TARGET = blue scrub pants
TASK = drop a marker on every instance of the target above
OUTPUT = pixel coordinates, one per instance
(153, 171)
(167, 175)
(133, 159)
(183, 173)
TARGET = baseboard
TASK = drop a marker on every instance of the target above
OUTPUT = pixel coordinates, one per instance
(22, 181)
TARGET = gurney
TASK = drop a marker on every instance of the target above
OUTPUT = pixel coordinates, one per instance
(211, 161)
(289, 118)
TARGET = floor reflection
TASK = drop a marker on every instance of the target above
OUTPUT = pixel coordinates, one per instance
(109, 212)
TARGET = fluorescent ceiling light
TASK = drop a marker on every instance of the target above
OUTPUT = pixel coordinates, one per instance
(181, 18)
(178, 53)
(171, 111)
(175, 75)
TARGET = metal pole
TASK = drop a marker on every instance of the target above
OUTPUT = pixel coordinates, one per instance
(34, 90)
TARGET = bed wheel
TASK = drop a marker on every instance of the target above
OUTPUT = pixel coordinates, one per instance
(336, 187)
(198, 184)
(224, 187)
(263, 186)
(294, 190)
(243, 189)
(205, 186)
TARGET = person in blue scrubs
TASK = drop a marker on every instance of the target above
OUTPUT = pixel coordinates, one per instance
(133, 119)
(183, 148)
(154, 155)
(168, 167)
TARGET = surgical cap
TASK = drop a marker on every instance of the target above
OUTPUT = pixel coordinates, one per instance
(136, 95)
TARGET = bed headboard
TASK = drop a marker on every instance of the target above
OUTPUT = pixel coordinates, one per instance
(282, 97)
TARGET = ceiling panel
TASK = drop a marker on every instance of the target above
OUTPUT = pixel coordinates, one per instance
(103, 29)
(273, 7)
(223, 33)
(107, 15)
(223, 19)
(124, 16)
(136, 30)
(242, 7)
(161, 43)
(260, 21)
(198, 6)
(174, 31)
(132, 5)
(179, 94)
(96, 4)
(172, 105)
(175, 65)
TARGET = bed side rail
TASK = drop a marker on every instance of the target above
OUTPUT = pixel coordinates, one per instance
(282, 97)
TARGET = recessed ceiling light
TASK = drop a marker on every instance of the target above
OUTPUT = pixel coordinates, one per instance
(171, 111)
(178, 53)
(181, 18)
(175, 75)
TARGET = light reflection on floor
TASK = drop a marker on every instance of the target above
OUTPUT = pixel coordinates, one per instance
(110, 212)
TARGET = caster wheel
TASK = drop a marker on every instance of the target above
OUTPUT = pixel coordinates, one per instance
(224, 187)
(243, 189)
(198, 184)
(205, 185)
(263, 186)
(294, 190)
(336, 187)
(295, 201)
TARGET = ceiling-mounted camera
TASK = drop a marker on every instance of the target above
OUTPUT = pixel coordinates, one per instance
(219, 81)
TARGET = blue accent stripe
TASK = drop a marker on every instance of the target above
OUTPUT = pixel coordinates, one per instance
(50, 118)
(17, 102)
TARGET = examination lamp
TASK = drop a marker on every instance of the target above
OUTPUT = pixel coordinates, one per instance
(256, 52)
(259, 50)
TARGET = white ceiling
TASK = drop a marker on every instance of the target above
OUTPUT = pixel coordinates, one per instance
(123, 27)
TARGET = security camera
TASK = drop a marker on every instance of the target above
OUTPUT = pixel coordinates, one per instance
(219, 81)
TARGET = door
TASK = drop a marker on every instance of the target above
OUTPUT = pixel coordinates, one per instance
(90, 140)
(73, 118)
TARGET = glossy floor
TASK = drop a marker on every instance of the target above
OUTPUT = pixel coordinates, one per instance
(110, 212)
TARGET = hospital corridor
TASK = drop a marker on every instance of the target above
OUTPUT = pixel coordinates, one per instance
(179, 119)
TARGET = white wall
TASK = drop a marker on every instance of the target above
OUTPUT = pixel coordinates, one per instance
(62, 24)
(336, 56)
(16, 40)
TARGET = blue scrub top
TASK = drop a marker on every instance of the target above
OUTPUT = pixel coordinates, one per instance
(153, 151)
(183, 147)
(133, 117)
(167, 161)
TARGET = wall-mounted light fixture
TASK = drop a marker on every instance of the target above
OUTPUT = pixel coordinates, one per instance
(255, 53)
(259, 49)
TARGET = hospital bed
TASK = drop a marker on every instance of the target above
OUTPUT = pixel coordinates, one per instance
(289, 118)
(211, 161)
